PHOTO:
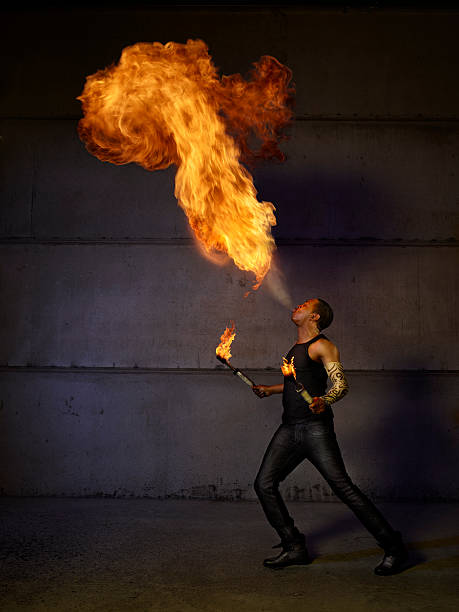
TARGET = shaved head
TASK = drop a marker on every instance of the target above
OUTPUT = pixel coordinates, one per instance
(324, 310)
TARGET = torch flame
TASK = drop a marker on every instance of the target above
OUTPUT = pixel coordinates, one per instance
(223, 349)
(165, 104)
(288, 369)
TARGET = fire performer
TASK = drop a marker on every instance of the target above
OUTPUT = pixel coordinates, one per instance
(307, 432)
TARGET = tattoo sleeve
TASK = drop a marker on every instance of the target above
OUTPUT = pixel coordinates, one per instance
(340, 387)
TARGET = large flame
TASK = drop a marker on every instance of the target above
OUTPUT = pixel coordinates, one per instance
(223, 349)
(165, 104)
(287, 367)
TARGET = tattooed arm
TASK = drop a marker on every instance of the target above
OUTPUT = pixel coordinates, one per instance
(340, 387)
(326, 352)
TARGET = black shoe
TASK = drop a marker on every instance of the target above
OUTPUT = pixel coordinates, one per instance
(288, 557)
(394, 558)
(293, 553)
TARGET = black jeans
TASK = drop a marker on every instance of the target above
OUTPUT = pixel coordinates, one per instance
(314, 440)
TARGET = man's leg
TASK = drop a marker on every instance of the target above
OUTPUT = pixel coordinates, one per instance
(324, 453)
(281, 457)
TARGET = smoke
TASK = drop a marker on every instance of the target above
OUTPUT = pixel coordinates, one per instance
(276, 284)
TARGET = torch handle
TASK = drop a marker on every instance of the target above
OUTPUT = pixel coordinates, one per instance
(237, 372)
(244, 378)
(304, 394)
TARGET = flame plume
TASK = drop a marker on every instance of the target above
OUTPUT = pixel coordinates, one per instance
(287, 367)
(165, 104)
(223, 349)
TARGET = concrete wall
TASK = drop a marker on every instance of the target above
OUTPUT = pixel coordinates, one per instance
(110, 315)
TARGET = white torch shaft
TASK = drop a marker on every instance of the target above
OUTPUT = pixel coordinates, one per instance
(304, 394)
(237, 372)
(244, 378)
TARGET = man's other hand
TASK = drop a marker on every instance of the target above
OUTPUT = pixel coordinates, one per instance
(317, 405)
(261, 390)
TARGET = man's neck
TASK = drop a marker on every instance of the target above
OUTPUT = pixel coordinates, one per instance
(307, 333)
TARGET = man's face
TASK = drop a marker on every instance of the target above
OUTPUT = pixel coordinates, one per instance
(303, 312)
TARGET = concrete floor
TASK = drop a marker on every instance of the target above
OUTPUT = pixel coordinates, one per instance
(176, 555)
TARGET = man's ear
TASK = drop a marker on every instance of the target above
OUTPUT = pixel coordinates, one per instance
(316, 316)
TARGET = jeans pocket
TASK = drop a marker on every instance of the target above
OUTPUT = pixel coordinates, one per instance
(319, 429)
(312, 429)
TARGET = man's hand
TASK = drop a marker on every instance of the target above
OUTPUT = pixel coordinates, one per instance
(262, 390)
(317, 405)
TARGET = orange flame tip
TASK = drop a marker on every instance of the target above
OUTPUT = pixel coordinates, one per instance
(288, 369)
(223, 349)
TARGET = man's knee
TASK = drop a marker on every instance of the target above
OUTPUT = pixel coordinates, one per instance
(263, 486)
(345, 489)
(257, 485)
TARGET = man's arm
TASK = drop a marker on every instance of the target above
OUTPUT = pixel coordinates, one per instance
(267, 390)
(329, 355)
(340, 386)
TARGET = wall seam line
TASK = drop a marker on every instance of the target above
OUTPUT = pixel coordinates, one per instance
(359, 242)
(196, 371)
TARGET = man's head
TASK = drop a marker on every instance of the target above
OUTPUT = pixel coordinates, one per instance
(314, 311)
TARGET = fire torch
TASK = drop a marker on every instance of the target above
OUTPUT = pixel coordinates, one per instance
(223, 353)
(288, 369)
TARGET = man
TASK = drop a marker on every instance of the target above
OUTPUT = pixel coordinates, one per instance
(307, 433)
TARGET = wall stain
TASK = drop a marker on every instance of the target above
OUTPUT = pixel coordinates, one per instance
(70, 409)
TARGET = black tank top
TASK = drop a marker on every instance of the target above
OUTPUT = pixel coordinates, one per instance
(313, 375)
